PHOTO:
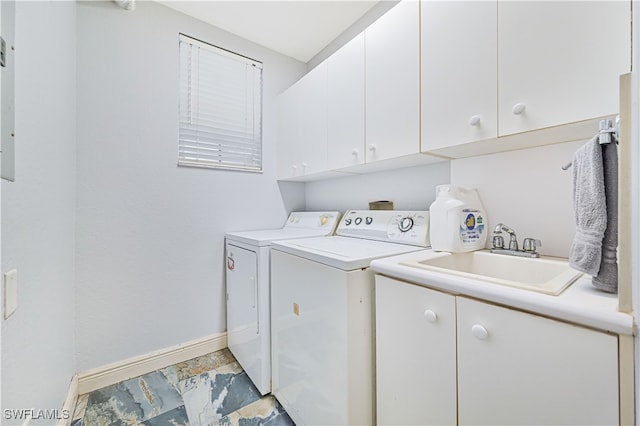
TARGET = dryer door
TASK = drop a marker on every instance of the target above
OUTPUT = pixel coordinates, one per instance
(242, 299)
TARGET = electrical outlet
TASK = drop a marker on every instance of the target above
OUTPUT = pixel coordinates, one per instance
(10, 292)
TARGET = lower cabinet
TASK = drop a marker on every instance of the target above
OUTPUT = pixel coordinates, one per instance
(444, 359)
(415, 355)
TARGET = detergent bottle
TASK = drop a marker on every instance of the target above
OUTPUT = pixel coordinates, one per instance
(457, 220)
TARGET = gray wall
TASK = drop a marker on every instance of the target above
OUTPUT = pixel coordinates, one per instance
(150, 235)
(38, 211)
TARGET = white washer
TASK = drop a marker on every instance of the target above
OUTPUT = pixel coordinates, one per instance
(322, 315)
(248, 289)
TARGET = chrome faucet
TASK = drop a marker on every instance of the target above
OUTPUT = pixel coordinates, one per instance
(513, 240)
(529, 244)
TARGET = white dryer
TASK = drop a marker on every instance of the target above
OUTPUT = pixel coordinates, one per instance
(248, 289)
(322, 314)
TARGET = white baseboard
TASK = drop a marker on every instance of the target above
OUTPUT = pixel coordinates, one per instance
(100, 377)
(70, 402)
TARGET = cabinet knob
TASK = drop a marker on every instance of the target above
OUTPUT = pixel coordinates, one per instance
(430, 316)
(354, 152)
(373, 147)
(519, 108)
(479, 332)
(304, 165)
(474, 120)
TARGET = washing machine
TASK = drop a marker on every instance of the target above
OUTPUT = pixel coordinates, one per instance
(322, 314)
(248, 289)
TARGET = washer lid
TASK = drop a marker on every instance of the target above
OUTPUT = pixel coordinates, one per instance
(346, 253)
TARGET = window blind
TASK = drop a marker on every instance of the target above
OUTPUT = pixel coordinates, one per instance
(220, 108)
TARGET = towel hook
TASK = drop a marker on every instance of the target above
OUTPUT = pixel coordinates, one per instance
(607, 128)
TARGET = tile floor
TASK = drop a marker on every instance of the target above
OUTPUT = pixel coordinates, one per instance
(209, 390)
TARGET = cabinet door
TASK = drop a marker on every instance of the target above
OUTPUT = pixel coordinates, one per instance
(560, 61)
(517, 368)
(415, 354)
(302, 129)
(288, 134)
(392, 70)
(311, 118)
(345, 92)
(459, 68)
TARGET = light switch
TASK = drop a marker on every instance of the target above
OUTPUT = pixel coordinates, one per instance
(10, 292)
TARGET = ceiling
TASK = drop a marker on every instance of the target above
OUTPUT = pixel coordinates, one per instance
(296, 28)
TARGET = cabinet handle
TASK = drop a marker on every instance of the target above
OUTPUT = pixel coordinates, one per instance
(430, 316)
(304, 165)
(354, 152)
(474, 120)
(373, 147)
(479, 332)
(519, 108)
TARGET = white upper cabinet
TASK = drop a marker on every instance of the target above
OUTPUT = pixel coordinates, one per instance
(302, 128)
(285, 156)
(538, 72)
(392, 79)
(560, 62)
(457, 79)
(459, 68)
(345, 112)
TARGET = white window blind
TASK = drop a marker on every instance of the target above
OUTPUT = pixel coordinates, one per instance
(220, 108)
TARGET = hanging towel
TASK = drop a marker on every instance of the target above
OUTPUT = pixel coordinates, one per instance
(607, 278)
(589, 205)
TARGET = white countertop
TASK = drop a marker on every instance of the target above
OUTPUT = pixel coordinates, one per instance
(580, 303)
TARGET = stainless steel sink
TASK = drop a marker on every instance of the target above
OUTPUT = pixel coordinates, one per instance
(544, 274)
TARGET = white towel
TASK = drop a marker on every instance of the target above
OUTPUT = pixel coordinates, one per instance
(589, 205)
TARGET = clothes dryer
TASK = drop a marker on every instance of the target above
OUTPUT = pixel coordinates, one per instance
(248, 289)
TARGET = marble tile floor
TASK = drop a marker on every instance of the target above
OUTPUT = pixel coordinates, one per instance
(209, 390)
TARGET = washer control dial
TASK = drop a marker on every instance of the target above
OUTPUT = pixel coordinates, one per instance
(368, 220)
(405, 224)
(358, 220)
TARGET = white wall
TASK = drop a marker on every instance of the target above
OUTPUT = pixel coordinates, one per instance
(527, 190)
(411, 188)
(38, 211)
(150, 234)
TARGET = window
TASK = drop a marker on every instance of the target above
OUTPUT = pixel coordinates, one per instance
(220, 108)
